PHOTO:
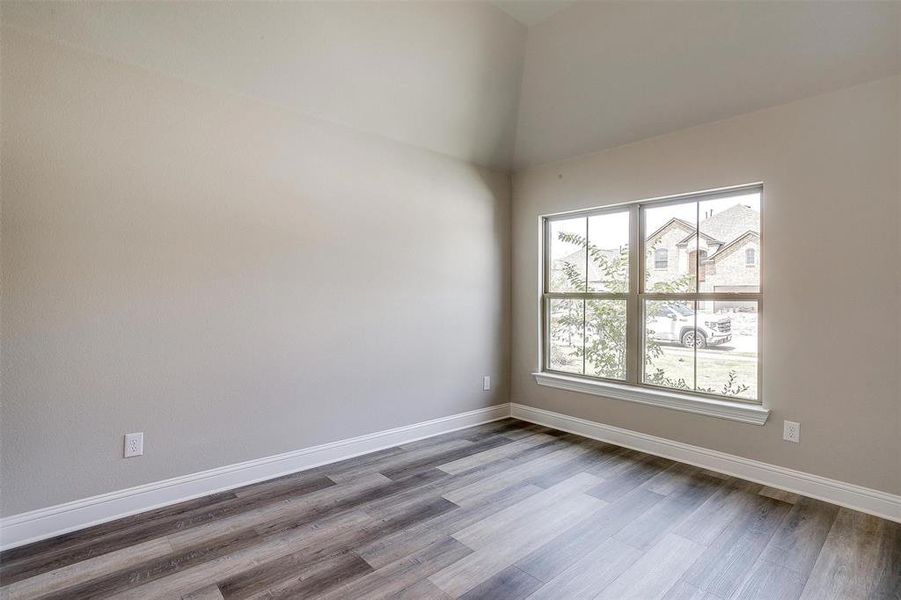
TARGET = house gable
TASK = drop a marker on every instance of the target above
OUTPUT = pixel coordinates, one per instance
(735, 245)
(673, 224)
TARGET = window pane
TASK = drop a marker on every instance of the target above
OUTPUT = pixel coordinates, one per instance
(608, 252)
(567, 254)
(729, 243)
(661, 258)
(670, 247)
(605, 338)
(566, 330)
(669, 338)
(727, 352)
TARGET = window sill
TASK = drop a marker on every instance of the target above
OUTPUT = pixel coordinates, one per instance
(722, 409)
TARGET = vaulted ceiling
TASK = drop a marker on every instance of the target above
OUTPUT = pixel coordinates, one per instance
(602, 74)
(472, 81)
(442, 76)
(531, 12)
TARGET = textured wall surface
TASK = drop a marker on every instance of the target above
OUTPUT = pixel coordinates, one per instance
(830, 318)
(229, 278)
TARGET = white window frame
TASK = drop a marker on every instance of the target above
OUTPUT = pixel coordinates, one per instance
(633, 388)
(752, 254)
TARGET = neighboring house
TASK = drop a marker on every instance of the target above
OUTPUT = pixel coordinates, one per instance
(727, 244)
(597, 279)
(728, 249)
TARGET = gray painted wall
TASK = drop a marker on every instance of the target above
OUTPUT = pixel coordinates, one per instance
(831, 250)
(229, 278)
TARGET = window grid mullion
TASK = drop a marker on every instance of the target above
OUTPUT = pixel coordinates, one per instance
(584, 329)
(587, 296)
(584, 301)
(694, 304)
(633, 341)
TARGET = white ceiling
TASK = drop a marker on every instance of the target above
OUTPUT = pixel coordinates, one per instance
(531, 12)
(437, 75)
(449, 76)
(601, 74)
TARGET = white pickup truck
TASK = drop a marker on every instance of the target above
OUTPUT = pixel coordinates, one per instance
(675, 323)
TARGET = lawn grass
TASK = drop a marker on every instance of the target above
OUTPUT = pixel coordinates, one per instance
(713, 368)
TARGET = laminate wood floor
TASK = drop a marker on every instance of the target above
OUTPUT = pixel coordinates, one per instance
(500, 511)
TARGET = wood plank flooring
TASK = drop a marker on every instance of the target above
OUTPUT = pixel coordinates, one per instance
(505, 510)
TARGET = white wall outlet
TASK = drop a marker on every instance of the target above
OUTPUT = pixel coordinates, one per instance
(486, 382)
(791, 431)
(134, 444)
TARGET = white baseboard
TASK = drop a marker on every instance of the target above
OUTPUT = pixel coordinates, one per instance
(35, 525)
(874, 502)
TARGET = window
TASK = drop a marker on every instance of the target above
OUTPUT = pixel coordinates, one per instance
(661, 258)
(697, 264)
(588, 283)
(643, 294)
(750, 257)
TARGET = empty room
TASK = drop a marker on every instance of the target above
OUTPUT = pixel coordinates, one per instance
(439, 299)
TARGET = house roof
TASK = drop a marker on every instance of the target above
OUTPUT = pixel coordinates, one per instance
(731, 223)
(723, 249)
(722, 228)
(691, 235)
(674, 221)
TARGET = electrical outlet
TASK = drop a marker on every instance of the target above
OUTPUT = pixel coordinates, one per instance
(486, 382)
(134, 444)
(791, 431)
